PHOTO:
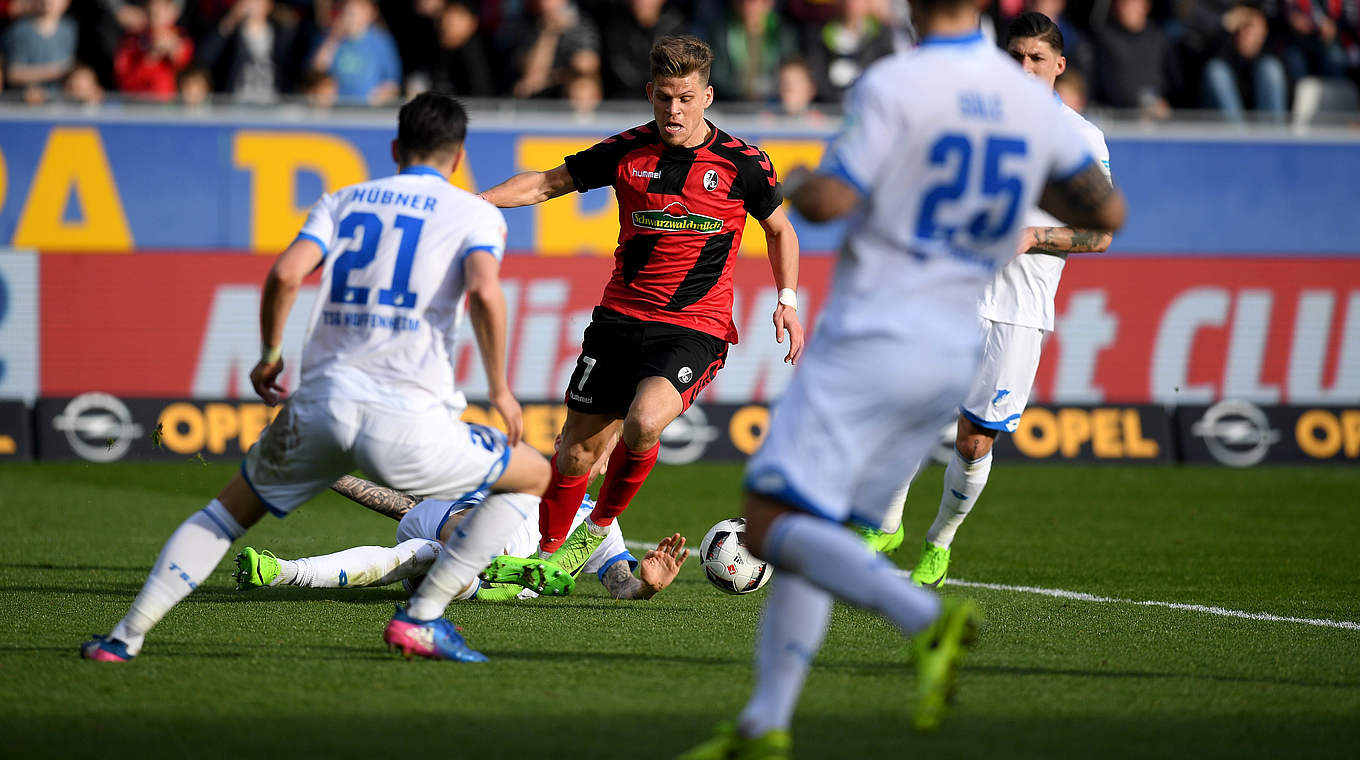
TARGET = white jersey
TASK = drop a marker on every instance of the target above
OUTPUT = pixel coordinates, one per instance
(1023, 291)
(391, 294)
(948, 144)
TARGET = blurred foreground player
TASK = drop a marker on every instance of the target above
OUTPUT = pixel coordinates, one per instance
(1016, 314)
(943, 148)
(661, 331)
(376, 390)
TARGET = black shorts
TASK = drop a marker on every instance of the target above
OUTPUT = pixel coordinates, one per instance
(619, 352)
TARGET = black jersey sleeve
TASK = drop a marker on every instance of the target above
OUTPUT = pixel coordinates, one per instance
(597, 166)
(760, 190)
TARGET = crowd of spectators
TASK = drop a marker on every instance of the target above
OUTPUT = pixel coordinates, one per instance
(789, 56)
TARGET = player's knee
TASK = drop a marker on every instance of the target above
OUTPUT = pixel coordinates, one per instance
(974, 446)
(537, 470)
(760, 513)
(643, 425)
(575, 459)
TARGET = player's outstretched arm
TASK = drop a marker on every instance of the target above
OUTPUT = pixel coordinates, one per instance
(528, 188)
(655, 572)
(280, 291)
(820, 197)
(486, 308)
(381, 499)
(1086, 200)
(781, 242)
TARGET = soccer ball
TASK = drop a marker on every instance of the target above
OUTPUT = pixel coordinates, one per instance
(727, 563)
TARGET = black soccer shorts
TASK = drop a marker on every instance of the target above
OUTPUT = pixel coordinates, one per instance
(618, 352)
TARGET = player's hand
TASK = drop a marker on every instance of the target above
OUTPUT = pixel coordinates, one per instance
(265, 379)
(505, 402)
(786, 320)
(658, 569)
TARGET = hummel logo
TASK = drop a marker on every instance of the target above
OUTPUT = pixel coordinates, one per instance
(647, 174)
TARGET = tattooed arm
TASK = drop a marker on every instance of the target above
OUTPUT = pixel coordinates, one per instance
(1060, 241)
(1086, 200)
(656, 571)
(380, 499)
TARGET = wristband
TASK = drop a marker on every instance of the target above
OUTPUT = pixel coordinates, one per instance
(789, 297)
(270, 354)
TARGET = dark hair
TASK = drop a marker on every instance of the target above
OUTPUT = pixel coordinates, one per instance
(678, 56)
(1035, 25)
(432, 123)
(921, 8)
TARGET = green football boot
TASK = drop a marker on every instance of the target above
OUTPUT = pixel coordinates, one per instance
(498, 592)
(727, 744)
(255, 569)
(932, 568)
(937, 651)
(573, 554)
(542, 576)
(882, 541)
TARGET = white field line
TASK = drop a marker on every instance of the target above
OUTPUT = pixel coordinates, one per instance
(1082, 596)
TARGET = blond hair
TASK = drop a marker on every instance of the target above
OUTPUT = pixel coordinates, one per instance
(678, 56)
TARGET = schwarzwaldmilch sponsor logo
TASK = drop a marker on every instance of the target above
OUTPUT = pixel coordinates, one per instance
(676, 218)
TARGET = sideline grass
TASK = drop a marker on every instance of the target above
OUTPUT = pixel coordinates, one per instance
(291, 672)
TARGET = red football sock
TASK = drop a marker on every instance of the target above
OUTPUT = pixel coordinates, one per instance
(558, 506)
(627, 470)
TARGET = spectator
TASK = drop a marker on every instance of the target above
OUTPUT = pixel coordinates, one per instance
(557, 45)
(797, 91)
(461, 65)
(1313, 44)
(82, 86)
(1243, 66)
(1071, 87)
(359, 56)
(747, 49)
(1133, 61)
(628, 37)
(845, 47)
(584, 92)
(320, 90)
(248, 52)
(195, 88)
(149, 63)
(41, 50)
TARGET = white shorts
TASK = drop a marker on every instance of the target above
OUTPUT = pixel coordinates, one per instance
(859, 414)
(1000, 389)
(427, 519)
(311, 443)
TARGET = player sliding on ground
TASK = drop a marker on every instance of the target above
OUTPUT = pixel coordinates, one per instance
(661, 331)
(1016, 313)
(376, 392)
(943, 147)
(425, 526)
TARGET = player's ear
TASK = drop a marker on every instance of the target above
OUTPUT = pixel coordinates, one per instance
(649, 92)
(1062, 64)
(396, 154)
(708, 96)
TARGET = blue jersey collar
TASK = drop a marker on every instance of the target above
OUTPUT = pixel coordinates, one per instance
(961, 39)
(423, 170)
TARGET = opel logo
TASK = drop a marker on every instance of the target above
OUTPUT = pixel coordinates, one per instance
(98, 427)
(1236, 433)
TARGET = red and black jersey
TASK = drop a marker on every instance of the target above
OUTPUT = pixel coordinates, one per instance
(681, 215)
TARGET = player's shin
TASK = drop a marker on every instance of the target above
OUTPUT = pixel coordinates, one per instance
(792, 627)
(187, 559)
(366, 565)
(628, 470)
(558, 506)
(833, 558)
(963, 484)
(475, 541)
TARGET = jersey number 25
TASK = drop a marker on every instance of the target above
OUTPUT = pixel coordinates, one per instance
(998, 191)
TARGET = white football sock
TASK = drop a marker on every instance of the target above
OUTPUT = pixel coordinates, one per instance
(791, 630)
(834, 558)
(366, 565)
(475, 542)
(186, 560)
(963, 484)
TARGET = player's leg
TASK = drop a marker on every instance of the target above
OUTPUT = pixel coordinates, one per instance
(585, 436)
(674, 365)
(186, 560)
(356, 567)
(294, 459)
(996, 398)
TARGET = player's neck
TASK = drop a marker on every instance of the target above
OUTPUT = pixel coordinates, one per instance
(960, 23)
(700, 136)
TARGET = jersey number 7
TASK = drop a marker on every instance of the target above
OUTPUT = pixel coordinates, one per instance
(999, 189)
(359, 257)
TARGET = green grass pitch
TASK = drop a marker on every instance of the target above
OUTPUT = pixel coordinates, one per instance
(297, 673)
